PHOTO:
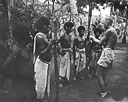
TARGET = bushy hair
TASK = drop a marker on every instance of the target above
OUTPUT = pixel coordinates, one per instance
(99, 30)
(21, 33)
(42, 21)
(68, 25)
(110, 20)
(80, 28)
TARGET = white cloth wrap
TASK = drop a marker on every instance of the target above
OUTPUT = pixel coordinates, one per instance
(42, 78)
(106, 58)
(65, 65)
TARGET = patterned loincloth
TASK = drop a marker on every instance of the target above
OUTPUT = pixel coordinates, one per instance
(106, 58)
(80, 60)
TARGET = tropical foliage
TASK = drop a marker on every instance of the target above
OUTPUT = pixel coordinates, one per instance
(21, 12)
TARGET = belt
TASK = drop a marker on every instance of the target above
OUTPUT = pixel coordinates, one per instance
(66, 49)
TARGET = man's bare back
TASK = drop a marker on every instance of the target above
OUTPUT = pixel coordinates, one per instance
(111, 38)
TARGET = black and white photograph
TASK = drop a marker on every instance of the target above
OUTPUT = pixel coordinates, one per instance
(63, 50)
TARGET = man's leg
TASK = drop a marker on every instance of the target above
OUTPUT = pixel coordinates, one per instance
(105, 72)
(92, 66)
(62, 71)
(75, 72)
(91, 72)
(101, 78)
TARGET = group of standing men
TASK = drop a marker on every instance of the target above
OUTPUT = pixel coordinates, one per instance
(99, 62)
(93, 53)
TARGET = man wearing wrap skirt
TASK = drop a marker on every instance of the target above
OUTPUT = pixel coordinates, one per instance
(64, 51)
(79, 56)
(95, 52)
(42, 57)
(107, 56)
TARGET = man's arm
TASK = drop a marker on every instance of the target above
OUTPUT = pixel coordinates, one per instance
(105, 37)
(48, 47)
(50, 44)
(40, 40)
(12, 55)
(3, 44)
(39, 44)
(74, 50)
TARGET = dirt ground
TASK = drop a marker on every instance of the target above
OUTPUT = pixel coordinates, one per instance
(87, 90)
(81, 90)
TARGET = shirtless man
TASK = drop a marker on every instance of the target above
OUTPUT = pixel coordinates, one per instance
(42, 58)
(18, 65)
(64, 51)
(95, 53)
(107, 56)
(79, 56)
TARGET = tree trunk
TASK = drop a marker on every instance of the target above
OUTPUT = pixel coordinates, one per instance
(75, 16)
(125, 32)
(10, 4)
(56, 65)
(124, 39)
(89, 18)
(55, 55)
(4, 2)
